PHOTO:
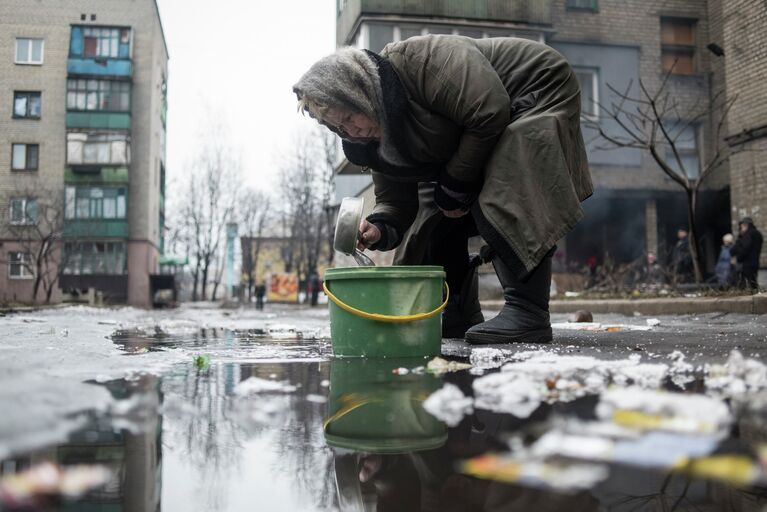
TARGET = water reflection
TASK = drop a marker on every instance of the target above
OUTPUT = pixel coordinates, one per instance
(190, 442)
(133, 454)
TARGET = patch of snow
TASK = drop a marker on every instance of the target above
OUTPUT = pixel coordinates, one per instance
(448, 404)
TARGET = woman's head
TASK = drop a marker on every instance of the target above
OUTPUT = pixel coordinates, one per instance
(343, 92)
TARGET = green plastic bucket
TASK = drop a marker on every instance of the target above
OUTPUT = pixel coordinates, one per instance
(374, 411)
(385, 311)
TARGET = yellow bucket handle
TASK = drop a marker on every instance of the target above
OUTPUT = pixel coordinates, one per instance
(385, 318)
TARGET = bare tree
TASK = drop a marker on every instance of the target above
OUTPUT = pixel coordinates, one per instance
(253, 217)
(654, 121)
(306, 187)
(208, 205)
(38, 233)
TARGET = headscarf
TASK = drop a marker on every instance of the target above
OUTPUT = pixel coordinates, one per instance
(348, 80)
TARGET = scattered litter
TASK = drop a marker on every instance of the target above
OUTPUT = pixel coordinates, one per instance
(448, 404)
(581, 316)
(400, 371)
(735, 469)
(202, 362)
(47, 480)
(572, 294)
(254, 385)
(652, 322)
(107, 322)
(598, 327)
(642, 409)
(439, 365)
(317, 399)
(561, 476)
(325, 383)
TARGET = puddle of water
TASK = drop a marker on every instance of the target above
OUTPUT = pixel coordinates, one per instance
(271, 423)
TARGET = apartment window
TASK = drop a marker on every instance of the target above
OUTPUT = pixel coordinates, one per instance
(26, 105)
(29, 51)
(104, 42)
(94, 257)
(23, 211)
(98, 149)
(19, 265)
(677, 36)
(588, 78)
(95, 203)
(585, 5)
(25, 157)
(109, 95)
(686, 143)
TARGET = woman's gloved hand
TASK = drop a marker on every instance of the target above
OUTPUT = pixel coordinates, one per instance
(369, 235)
(453, 204)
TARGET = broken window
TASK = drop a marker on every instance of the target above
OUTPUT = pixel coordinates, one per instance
(677, 36)
(26, 104)
(23, 211)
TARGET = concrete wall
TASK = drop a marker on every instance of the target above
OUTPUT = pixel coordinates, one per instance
(51, 20)
(744, 32)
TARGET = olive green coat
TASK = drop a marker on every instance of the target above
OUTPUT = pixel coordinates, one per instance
(505, 111)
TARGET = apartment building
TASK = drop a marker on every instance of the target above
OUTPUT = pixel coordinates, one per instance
(611, 44)
(82, 148)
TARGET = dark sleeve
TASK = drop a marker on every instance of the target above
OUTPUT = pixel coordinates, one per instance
(742, 246)
(396, 207)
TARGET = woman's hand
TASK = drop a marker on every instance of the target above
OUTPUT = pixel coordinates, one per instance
(454, 214)
(369, 234)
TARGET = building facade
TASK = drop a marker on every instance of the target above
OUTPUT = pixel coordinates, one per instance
(611, 44)
(82, 148)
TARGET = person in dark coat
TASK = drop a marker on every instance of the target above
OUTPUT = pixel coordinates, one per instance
(746, 251)
(681, 258)
(464, 137)
(260, 292)
(723, 269)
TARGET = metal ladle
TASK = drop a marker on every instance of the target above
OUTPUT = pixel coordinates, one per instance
(348, 230)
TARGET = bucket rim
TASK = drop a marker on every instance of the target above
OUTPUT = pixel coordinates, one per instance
(384, 446)
(394, 271)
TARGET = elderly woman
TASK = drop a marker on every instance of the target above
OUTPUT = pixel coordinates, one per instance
(463, 137)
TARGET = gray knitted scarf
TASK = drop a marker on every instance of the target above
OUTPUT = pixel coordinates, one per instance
(349, 80)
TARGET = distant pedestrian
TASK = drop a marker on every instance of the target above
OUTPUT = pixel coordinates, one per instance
(746, 252)
(313, 288)
(260, 292)
(681, 258)
(724, 265)
(651, 273)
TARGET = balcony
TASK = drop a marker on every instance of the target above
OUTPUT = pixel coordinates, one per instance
(96, 228)
(99, 120)
(100, 51)
(523, 12)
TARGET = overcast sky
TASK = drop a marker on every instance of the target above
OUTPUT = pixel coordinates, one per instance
(239, 59)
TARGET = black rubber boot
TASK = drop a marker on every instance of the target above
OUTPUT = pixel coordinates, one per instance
(463, 309)
(525, 316)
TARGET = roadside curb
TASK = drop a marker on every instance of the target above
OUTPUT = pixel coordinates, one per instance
(747, 304)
